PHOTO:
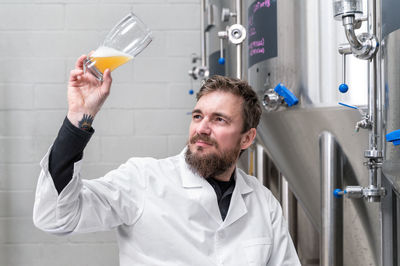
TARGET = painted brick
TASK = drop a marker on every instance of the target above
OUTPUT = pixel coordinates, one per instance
(32, 70)
(102, 17)
(16, 150)
(97, 237)
(36, 54)
(119, 150)
(16, 204)
(157, 46)
(18, 176)
(60, 255)
(162, 69)
(114, 122)
(180, 97)
(162, 122)
(16, 123)
(47, 43)
(41, 145)
(16, 96)
(92, 152)
(169, 17)
(176, 144)
(184, 1)
(183, 43)
(23, 231)
(99, 169)
(31, 17)
(138, 95)
(133, 1)
(51, 96)
(47, 123)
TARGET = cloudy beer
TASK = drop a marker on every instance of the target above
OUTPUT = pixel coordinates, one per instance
(106, 57)
(124, 42)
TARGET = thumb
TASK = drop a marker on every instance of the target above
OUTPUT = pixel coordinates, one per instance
(107, 80)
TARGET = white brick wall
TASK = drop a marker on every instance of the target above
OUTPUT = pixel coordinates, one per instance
(145, 115)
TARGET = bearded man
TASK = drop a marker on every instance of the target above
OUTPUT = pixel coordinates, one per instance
(195, 208)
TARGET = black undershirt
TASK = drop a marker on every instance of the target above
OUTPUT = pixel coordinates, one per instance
(68, 149)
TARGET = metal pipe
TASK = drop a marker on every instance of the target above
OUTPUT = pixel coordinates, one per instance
(260, 158)
(329, 173)
(239, 46)
(374, 98)
(348, 23)
(203, 33)
(372, 79)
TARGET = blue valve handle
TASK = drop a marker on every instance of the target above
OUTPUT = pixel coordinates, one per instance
(287, 95)
(343, 88)
(191, 92)
(338, 193)
(394, 137)
(350, 106)
(221, 61)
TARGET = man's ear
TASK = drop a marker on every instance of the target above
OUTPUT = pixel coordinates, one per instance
(247, 138)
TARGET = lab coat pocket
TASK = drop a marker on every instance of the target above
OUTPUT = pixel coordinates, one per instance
(258, 250)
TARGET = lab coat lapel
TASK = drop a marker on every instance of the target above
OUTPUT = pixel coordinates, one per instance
(199, 190)
(237, 207)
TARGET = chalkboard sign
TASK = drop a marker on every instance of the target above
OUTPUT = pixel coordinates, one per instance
(262, 31)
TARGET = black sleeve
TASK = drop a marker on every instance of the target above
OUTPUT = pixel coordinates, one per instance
(66, 150)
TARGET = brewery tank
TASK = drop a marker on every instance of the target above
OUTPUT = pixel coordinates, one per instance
(295, 43)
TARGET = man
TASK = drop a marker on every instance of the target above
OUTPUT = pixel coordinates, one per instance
(195, 208)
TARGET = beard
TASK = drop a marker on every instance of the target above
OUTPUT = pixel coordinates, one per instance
(212, 164)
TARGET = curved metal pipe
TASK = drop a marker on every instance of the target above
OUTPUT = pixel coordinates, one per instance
(348, 23)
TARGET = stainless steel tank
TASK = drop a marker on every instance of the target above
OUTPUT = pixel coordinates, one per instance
(313, 144)
(306, 61)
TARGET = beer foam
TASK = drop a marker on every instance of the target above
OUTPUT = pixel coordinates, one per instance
(104, 51)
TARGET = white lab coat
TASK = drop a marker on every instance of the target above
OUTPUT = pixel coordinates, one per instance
(166, 215)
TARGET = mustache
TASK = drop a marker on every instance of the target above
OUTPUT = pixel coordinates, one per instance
(204, 138)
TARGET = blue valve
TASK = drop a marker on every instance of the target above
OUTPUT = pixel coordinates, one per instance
(221, 61)
(343, 88)
(338, 193)
(288, 96)
(347, 105)
(191, 92)
(394, 137)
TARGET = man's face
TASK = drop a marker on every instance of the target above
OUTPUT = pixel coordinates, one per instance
(215, 133)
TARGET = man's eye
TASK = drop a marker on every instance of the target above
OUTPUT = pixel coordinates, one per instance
(220, 119)
(196, 116)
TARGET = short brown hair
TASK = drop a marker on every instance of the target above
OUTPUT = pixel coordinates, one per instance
(251, 106)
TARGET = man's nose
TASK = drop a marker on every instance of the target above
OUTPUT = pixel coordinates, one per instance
(204, 127)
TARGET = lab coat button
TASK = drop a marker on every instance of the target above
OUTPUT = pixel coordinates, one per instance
(221, 234)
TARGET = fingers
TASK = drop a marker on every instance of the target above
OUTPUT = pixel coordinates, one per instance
(75, 75)
(80, 61)
(107, 80)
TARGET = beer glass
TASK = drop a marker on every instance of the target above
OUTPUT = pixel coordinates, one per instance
(125, 41)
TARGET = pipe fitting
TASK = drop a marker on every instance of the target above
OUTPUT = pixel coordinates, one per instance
(363, 46)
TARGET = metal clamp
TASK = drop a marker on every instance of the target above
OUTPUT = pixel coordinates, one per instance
(226, 14)
(372, 193)
(271, 100)
(236, 33)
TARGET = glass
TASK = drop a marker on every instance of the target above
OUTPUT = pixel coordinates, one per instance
(125, 41)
